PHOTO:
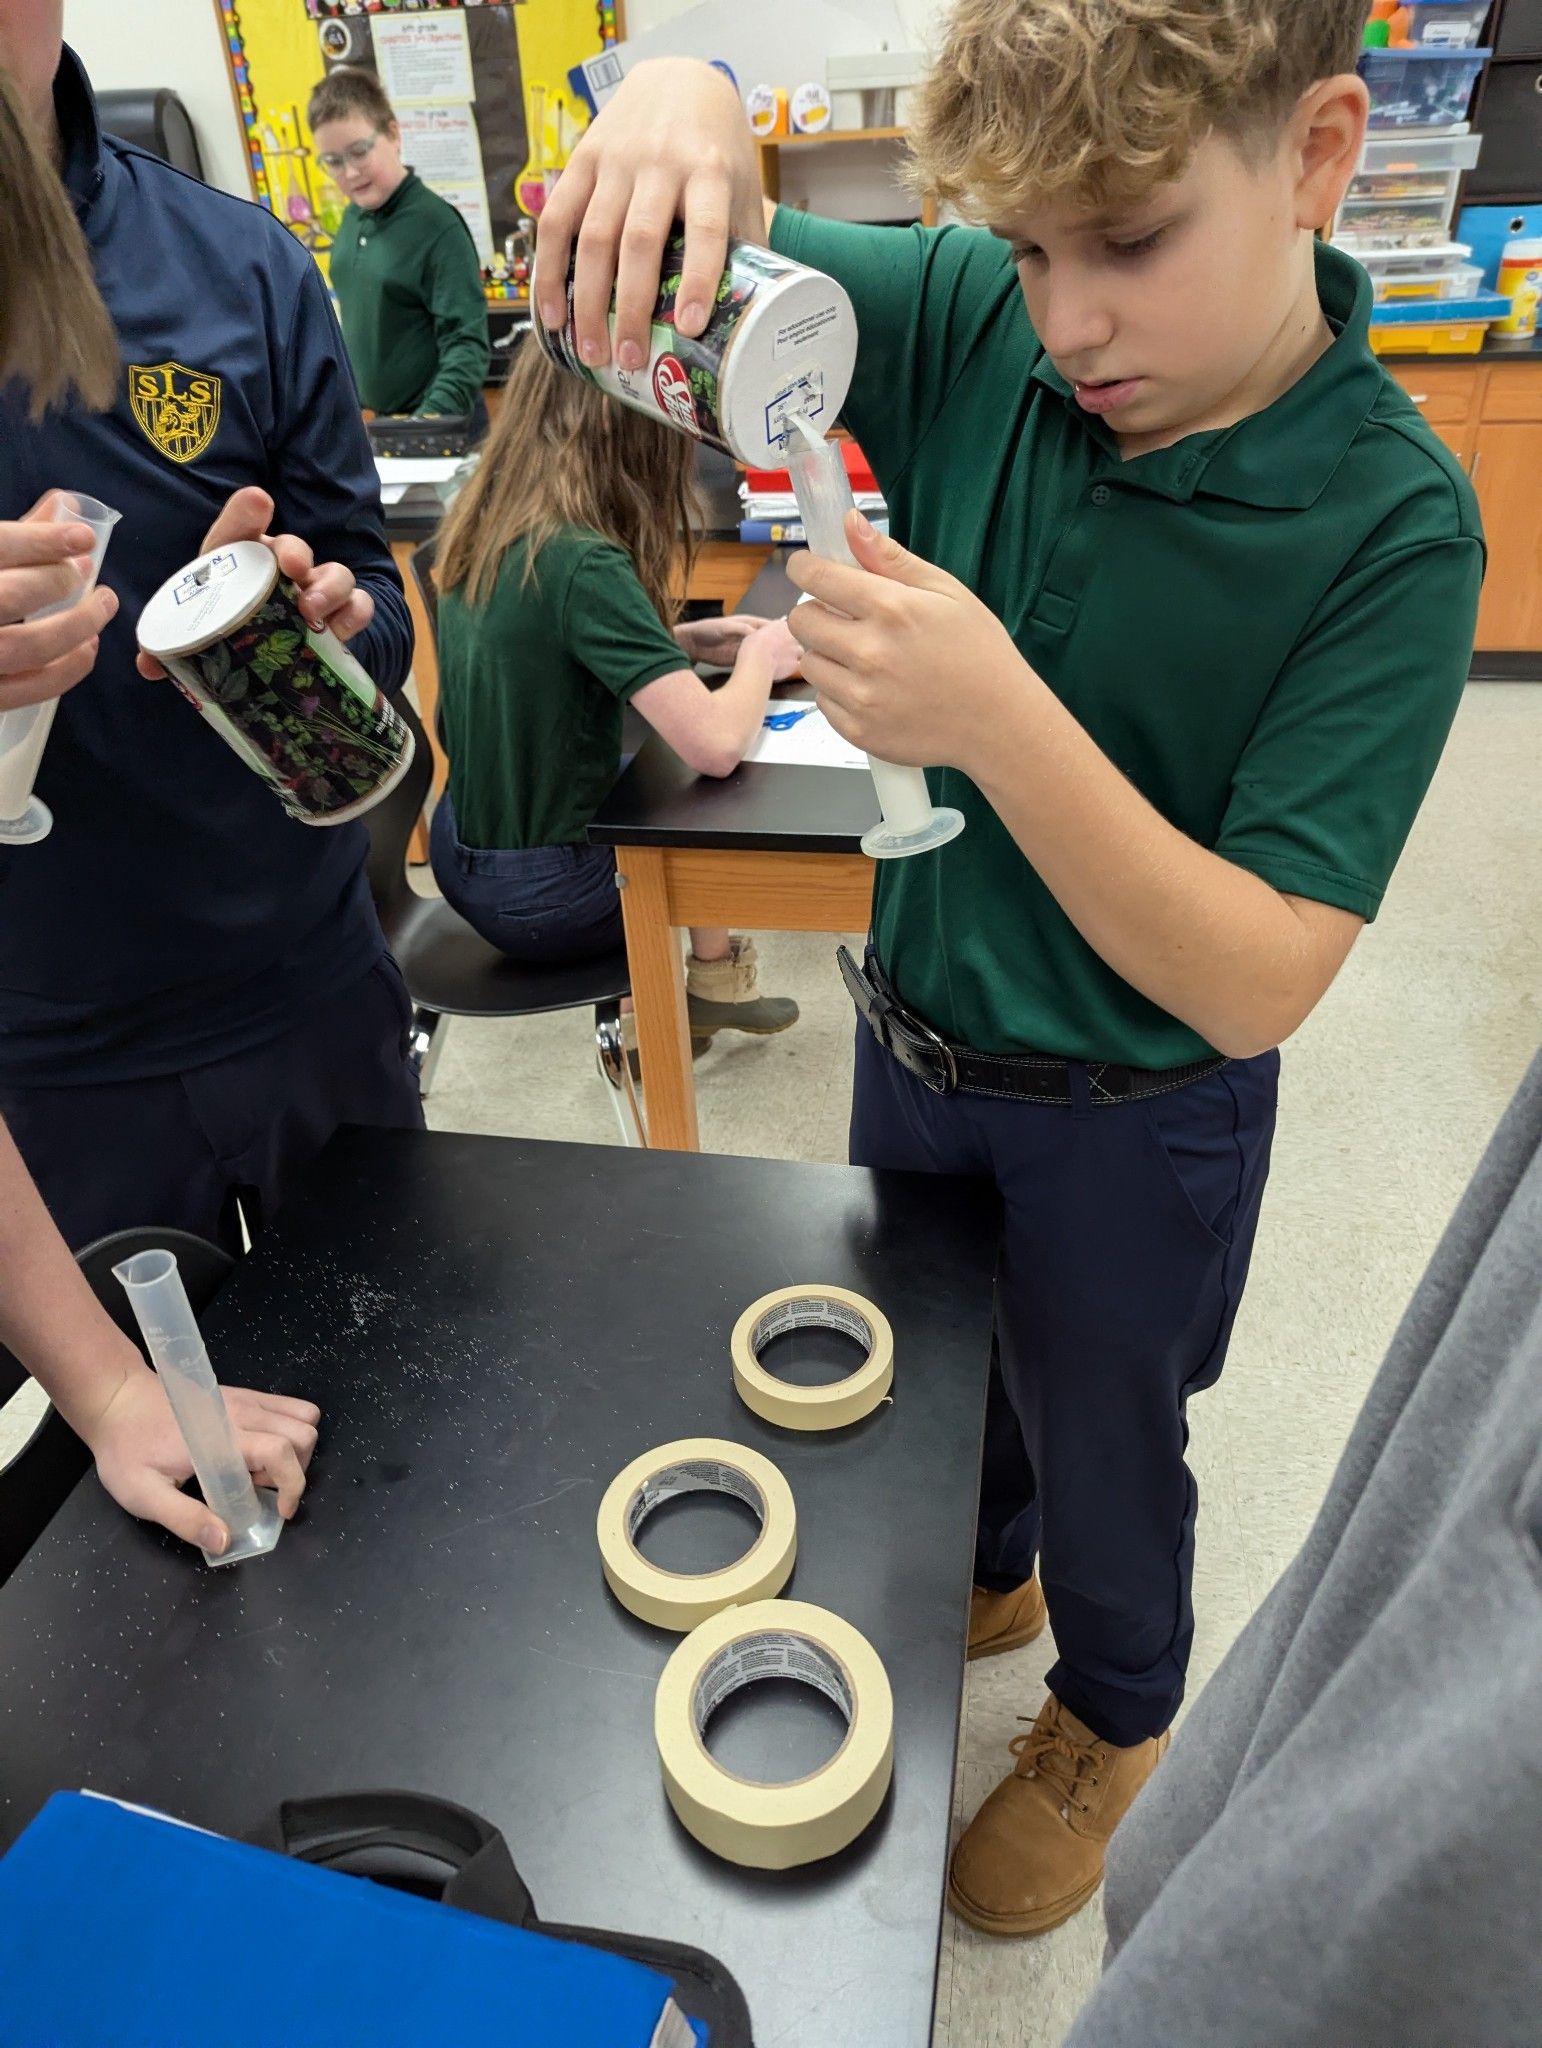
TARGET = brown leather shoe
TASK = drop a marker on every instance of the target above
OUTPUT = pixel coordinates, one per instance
(1005, 1621)
(1033, 1854)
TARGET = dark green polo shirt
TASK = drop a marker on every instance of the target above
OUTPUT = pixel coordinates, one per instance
(409, 291)
(531, 685)
(1266, 627)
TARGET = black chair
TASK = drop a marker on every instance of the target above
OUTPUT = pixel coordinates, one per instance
(421, 562)
(153, 118)
(36, 1482)
(451, 972)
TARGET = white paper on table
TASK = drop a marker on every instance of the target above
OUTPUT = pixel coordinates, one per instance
(416, 469)
(424, 57)
(812, 743)
(392, 494)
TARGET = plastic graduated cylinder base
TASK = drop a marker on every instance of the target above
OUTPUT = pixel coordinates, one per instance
(887, 842)
(256, 1541)
(35, 823)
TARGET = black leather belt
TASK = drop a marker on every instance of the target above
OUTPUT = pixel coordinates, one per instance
(1023, 1077)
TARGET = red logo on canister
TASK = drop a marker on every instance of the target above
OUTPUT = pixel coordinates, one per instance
(672, 393)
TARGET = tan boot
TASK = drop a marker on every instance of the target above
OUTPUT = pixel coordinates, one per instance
(1005, 1621)
(724, 995)
(1033, 1854)
(629, 1041)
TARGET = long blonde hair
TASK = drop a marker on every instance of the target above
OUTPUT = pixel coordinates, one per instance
(55, 334)
(563, 454)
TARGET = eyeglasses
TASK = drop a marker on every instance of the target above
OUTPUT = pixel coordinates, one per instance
(334, 159)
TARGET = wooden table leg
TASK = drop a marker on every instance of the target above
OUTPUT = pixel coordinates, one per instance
(658, 995)
(425, 674)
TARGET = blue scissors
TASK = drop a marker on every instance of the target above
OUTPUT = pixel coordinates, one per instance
(783, 721)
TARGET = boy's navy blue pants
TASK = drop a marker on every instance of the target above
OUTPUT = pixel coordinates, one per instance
(1125, 1243)
(227, 1141)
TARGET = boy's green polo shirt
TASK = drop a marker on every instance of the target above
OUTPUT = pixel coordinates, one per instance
(1266, 628)
(531, 685)
(409, 292)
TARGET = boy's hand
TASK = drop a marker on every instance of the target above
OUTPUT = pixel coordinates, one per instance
(43, 561)
(671, 144)
(142, 1460)
(918, 670)
(329, 595)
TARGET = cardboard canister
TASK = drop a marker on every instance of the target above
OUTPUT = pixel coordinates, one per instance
(288, 698)
(781, 339)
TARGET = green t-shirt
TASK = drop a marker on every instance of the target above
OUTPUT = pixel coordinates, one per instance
(531, 685)
(1267, 627)
(409, 290)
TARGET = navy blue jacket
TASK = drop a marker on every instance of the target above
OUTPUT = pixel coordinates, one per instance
(177, 914)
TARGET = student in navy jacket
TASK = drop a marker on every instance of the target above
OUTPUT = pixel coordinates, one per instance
(194, 988)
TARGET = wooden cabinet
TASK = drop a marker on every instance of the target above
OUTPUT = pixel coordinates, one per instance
(1489, 414)
(1507, 469)
(1447, 395)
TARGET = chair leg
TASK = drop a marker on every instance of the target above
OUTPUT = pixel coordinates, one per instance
(429, 1031)
(616, 1073)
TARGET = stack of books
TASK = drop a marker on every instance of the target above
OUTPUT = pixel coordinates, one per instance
(771, 510)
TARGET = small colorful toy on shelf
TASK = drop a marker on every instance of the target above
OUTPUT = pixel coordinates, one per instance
(1425, 24)
(1389, 26)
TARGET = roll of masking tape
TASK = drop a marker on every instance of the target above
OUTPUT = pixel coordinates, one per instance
(799, 1308)
(680, 1600)
(775, 1827)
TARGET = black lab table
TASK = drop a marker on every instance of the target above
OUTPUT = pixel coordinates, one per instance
(494, 1328)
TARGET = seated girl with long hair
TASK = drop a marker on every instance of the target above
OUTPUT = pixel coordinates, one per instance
(556, 568)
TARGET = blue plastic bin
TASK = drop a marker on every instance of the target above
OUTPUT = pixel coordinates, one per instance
(1448, 24)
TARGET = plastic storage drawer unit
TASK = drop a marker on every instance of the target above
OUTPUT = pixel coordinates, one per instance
(1394, 223)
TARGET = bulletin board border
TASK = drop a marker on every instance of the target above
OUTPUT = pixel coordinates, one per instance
(246, 106)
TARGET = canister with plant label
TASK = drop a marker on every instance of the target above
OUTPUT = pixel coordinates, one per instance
(287, 696)
(781, 340)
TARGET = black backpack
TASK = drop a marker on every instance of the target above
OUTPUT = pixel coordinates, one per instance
(439, 1851)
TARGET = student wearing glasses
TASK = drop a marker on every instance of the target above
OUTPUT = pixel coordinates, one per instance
(404, 267)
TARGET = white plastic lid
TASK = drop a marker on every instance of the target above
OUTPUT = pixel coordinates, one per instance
(207, 599)
(1527, 250)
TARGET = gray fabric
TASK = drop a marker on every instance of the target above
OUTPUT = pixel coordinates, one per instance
(1344, 1847)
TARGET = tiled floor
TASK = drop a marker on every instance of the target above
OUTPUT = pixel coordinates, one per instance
(1389, 1095)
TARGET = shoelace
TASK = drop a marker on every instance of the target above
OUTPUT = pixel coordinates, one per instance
(1050, 1754)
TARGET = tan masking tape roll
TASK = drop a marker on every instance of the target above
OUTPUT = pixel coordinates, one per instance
(775, 1827)
(798, 1308)
(680, 1600)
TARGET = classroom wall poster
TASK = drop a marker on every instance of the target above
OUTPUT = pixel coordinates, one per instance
(424, 59)
(442, 145)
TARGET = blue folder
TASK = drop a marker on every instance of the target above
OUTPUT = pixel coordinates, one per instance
(120, 1929)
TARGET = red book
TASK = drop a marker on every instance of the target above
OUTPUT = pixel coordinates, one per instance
(858, 468)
